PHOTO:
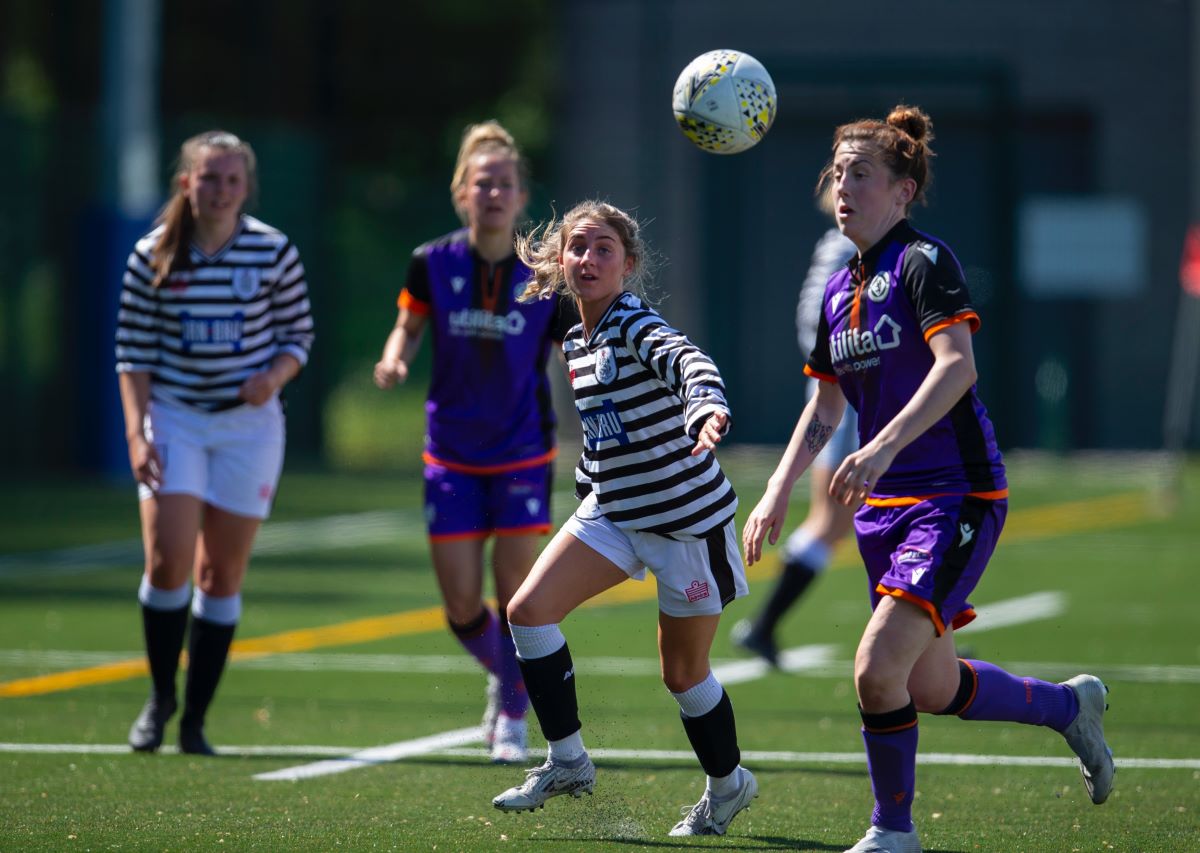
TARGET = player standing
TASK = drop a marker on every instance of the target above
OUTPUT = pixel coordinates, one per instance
(895, 340)
(214, 322)
(653, 496)
(807, 552)
(490, 442)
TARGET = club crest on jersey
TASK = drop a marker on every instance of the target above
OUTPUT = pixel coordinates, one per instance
(246, 281)
(519, 289)
(606, 365)
(877, 290)
(456, 283)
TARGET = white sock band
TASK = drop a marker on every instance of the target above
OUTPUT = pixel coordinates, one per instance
(802, 548)
(699, 700)
(164, 599)
(724, 787)
(220, 610)
(566, 750)
(536, 642)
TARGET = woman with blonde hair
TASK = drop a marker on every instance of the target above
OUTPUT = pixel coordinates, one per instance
(490, 440)
(653, 496)
(214, 322)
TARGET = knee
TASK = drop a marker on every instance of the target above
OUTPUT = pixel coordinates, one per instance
(681, 676)
(525, 610)
(875, 684)
(219, 578)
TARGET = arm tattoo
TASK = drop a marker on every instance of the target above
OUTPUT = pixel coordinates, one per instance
(816, 435)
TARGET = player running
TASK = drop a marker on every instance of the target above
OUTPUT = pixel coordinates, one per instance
(895, 340)
(653, 497)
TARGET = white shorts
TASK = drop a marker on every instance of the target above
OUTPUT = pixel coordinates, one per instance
(695, 578)
(230, 460)
(844, 440)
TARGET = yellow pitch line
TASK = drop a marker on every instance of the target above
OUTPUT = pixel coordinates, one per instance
(1023, 526)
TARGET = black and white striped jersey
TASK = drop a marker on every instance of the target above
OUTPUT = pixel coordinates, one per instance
(643, 391)
(217, 319)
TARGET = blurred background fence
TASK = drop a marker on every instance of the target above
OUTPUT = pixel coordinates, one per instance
(1065, 180)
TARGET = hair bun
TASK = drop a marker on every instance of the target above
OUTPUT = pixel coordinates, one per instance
(913, 121)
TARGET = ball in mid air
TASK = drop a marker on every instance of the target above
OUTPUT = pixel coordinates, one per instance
(724, 101)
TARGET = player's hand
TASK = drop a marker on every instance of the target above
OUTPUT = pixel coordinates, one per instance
(858, 474)
(710, 433)
(145, 462)
(259, 387)
(765, 522)
(390, 372)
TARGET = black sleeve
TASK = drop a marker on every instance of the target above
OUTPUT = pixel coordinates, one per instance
(819, 361)
(936, 285)
(416, 280)
(566, 316)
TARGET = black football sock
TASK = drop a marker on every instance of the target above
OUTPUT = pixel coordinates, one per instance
(550, 681)
(791, 585)
(714, 738)
(208, 650)
(163, 631)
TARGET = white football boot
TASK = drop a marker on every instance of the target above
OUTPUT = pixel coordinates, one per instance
(712, 817)
(880, 840)
(508, 745)
(1085, 736)
(549, 780)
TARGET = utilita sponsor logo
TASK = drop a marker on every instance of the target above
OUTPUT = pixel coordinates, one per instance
(855, 343)
(478, 323)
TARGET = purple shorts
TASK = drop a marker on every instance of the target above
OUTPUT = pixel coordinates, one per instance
(473, 506)
(932, 553)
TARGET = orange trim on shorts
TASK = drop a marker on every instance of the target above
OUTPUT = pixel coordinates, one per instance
(927, 606)
(459, 537)
(998, 494)
(531, 529)
(505, 468)
(824, 377)
(968, 316)
(414, 305)
(964, 618)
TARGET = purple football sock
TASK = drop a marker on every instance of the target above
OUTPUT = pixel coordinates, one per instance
(481, 637)
(999, 695)
(891, 742)
(514, 698)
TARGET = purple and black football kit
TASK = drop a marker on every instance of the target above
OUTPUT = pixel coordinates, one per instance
(489, 443)
(490, 420)
(932, 521)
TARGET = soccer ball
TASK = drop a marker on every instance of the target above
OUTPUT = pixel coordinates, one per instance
(724, 101)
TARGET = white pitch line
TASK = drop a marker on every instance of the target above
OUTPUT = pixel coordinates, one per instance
(1017, 611)
(375, 755)
(946, 759)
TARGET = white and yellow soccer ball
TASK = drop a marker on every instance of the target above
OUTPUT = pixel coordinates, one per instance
(724, 101)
